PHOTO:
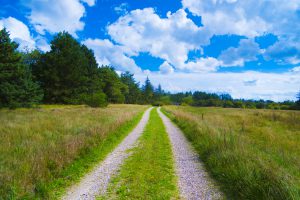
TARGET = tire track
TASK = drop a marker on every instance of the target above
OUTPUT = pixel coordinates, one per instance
(193, 180)
(95, 183)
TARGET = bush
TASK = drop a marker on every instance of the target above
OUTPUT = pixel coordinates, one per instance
(96, 100)
(158, 103)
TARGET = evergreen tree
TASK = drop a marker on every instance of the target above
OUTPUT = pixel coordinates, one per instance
(68, 72)
(17, 88)
(112, 85)
(133, 95)
(148, 92)
(298, 101)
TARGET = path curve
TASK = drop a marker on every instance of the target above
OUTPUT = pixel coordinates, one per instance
(193, 180)
(95, 183)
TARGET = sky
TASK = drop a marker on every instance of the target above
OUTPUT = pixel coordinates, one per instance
(247, 48)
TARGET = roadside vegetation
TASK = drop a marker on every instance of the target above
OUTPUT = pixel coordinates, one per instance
(254, 154)
(46, 149)
(149, 172)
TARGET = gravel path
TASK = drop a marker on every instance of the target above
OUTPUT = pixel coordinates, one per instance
(193, 180)
(95, 183)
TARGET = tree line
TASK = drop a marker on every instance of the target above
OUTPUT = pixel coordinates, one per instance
(69, 74)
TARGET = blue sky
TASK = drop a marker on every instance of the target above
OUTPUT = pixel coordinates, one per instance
(250, 49)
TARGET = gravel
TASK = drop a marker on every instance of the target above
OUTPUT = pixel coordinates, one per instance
(95, 183)
(194, 182)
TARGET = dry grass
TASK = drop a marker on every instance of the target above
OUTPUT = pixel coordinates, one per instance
(37, 144)
(254, 154)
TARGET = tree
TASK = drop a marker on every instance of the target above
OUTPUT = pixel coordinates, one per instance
(298, 101)
(112, 85)
(148, 92)
(133, 95)
(17, 89)
(188, 100)
(68, 73)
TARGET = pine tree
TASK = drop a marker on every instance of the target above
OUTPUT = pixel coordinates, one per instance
(133, 95)
(17, 88)
(68, 72)
(148, 92)
(112, 85)
(298, 101)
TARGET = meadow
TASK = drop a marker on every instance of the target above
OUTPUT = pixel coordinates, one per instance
(252, 154)
(45, 149)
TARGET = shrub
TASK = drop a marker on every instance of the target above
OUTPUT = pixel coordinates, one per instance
(96, 100)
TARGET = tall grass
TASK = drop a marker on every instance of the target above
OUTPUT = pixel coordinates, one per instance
(254, 154)
(37, 146)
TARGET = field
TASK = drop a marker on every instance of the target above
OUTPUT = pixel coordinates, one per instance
(253, 154)
(45, 149)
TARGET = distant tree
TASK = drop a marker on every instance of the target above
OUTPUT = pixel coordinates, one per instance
(17, 89)
(225, 97)
(298, 101)
(133, 94)
(188, 100)
(113, 87)
(148, 92)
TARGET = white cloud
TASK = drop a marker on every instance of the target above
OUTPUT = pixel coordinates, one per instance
(296, 69)
(90, 2)
(109, 54)
(253, 18)
(122, 8)
(273, 86)
(285, 51)
(166, 68)
(247, 50)
(19, 32)
(249, 18)
(208, 64)
(169, 38)
(228, 17)
(54, 16)
(42, 44)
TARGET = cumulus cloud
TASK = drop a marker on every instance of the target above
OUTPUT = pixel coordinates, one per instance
(166, 68)
(19, 32)
(249, 18)
(248, 85)
(285, 51)
(208, 64)
(169, 38)
(109, 54)
(121, 9)
(54, 16)
(296, 69)
(254, 18)
(90, 2)
(247, 50)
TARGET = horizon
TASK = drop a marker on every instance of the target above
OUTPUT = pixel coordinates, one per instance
(250, 50)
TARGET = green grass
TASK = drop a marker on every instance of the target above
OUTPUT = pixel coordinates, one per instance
(253, 154)
(42, 151)
(149, 172)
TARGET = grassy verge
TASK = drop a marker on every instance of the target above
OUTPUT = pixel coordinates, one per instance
(148, 173)
(42, 151)
(253, 154)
